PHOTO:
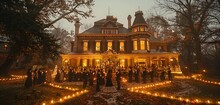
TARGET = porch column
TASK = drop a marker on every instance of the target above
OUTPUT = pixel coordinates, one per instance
(132, 61)
(129, 62)
(78, 62)
(90, 62)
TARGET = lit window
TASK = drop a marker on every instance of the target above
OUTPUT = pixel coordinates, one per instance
(122, 47)
(122, 63)
(141, 29)
(84, 62)
(97, 62)
(135, 44)
(97, 44)
(148, 46)
(142, 42)
(85, 46)
(135, 30)
(109, 45)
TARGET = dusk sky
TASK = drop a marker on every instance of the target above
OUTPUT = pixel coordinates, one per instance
(118, 8)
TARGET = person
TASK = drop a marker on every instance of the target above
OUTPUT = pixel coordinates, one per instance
(144, 75)
(57, 77)
(118, 79)
(49, 75)
(70, 75)
(40, 77)
(85, 78)
(35, 77)
(62, 73)
(28, 82)
(130, 75)
(44, 76)
(109, 79)
(102, 78)
(91, 76)
(152, 75)
(153, 72)
(162, 76)
(98, 78)
(136, 75)
(75, 74)
(169, 74)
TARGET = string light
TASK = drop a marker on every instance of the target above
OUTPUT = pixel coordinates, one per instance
(182, 77)
(62, 99)
(14, 77)
(163, 95)
(174, 98)
(199, 76)
(148, 86)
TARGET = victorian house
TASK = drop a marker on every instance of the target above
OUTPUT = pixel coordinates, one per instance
(135, 45)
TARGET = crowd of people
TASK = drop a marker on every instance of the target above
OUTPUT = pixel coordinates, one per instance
(35, 77)
(148, 74)
(102, 76)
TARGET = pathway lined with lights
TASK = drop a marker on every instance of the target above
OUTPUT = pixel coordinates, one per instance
(76, 93)
(137, 89)
(198, 77)
(14, 77)
(164, 95)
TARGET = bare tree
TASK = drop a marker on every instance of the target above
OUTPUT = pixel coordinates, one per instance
(64, 39)
(192, 18)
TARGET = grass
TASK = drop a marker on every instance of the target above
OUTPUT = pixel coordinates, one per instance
(14, 93)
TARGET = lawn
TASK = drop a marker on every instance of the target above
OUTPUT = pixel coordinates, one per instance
(14, 93)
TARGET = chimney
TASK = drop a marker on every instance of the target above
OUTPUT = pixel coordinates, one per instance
(77, 25)
(129, 21)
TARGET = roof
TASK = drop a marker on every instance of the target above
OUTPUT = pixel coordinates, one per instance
(153, 39)
(139, 19)
(98, 25)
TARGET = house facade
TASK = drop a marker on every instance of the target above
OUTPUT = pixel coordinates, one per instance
(108, 42)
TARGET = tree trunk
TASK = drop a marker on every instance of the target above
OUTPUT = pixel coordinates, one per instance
(189, 55)
(198, 54)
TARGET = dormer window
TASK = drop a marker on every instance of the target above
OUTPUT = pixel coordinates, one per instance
(142, 29)
(135, 29)
(139, 29)
(110, 27)
(109, 31)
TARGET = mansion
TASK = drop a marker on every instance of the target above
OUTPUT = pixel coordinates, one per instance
(108, 42)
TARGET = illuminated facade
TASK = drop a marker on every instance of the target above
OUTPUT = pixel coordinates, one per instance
(135, 45)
